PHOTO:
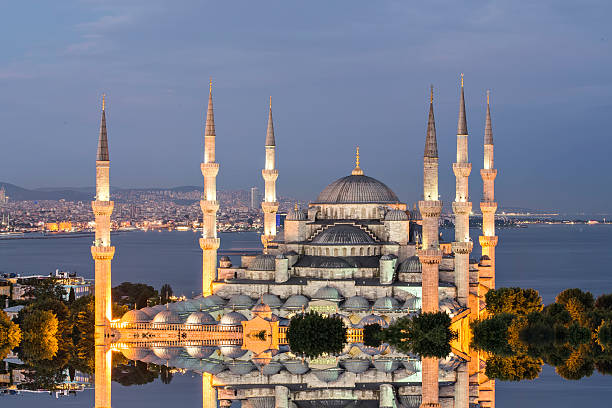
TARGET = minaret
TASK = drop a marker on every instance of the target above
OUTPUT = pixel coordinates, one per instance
(210, 168)
(102, 253)
(430, 207)
(429, 254)
(462, 208)
(270, 206)
(488, 206)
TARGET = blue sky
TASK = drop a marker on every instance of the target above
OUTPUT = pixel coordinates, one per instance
(341, 74)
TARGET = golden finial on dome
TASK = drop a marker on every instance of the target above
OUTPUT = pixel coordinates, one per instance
(296, 207)
(462, 79)
(488, 96)
(270, 102)
(357, 170)
(103, 101)
(210, 85)
(431, 95)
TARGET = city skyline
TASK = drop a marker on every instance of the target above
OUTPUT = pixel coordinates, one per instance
(548, 113)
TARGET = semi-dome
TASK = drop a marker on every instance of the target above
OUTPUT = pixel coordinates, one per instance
(167, 317)
(356, 303)
(200, 318)
(240, 301)
(386, 304)
(396, 215)
(135, 316)
(296, 302)
(411, 265)
(263, 262)
(328, 293)
(356, 189)
(232, 351)
(343, 234)
(232, 319)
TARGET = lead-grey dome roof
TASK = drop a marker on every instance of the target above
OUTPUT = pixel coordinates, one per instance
(357, 189)
(240, 301)
(386, 304)
(167, 317)
(199, 318)
(263, 263)
(135, 316)
(343, 234)
(232, 351)
(356, 303)
(396, 215)
(328, 293)
(296, 302)
(232, 319)
(411, 265)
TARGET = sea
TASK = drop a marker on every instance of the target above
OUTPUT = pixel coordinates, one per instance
(548, 258)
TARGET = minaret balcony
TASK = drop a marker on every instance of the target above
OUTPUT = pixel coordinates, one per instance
(208, 244)
(488, 207)
(102, 207)
(102, 253)
(209, 169)
(429, 256)
(462, 247)
(269, 175)
(488, 241)
(462, 207)
(462, 169)
(430, 208)
(209, 206)
(488, 174)
(269, 207)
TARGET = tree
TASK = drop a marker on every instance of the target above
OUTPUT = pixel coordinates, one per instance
(372, 334)
(57, 307)
(71, 296)
(426, 334)
(133, 373)
(129, 293)
(584, 298)
(166, 293)
(311, 335)
(39, 336)
(515, 368)
(10, 335)
(516, 301)
(579, 364)
(491, 334)
(604, 335)
(604, 302)
(45, 289)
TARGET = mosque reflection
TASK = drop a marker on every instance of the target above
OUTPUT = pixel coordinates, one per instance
(244, 356)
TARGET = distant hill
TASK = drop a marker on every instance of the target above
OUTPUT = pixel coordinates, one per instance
(17, 193)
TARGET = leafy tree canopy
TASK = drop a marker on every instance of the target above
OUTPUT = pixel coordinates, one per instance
(312, 334)
(426, 334)
(515, 301)
(10, 335)
(515, 368)
(129, 293)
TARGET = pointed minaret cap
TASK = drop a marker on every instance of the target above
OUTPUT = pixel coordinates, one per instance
(488, 136)
(357, 170)
(462, 124)
(102, 154)
(210, 115)
(431, 143)
(270, 141)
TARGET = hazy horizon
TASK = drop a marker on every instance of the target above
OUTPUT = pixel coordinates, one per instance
(341, 74)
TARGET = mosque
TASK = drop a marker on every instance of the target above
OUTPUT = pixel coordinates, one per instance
(357, 252)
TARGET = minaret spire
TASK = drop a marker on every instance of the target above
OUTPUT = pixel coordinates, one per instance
(102, 154)
(269, 206)
(209, 205)
(462, 246)
(431, 143)
(488, 138)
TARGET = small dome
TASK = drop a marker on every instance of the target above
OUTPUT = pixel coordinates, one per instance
(388, 257)
(224, 258)
(135, 316)
(328, 293)
(296, 302)
(200, 351)
(386, 365)
(373, 319)
(225, 262)
(386, 304)
(356, 189)
(356, 366)
(295, 214)
(200, 318)
(271, 368)
(296, 367)
(232, 351)
(263, 262)
(328, 376)
(343, 234)
(271, 300)
(232, 319)
(240, 367)
(356, 303)
(240, 301)
(166, 353)
(214, 300)
(135, 353)
(411, 265)
(396, 215)
(149, 311)
(412, 304)
(167, 317)
(261, 308)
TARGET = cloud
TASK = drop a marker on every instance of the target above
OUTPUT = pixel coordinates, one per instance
(105, 23)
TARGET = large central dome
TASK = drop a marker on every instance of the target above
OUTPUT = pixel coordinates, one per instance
(356, 189)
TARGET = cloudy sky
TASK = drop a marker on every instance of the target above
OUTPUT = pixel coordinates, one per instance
(341, 74)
